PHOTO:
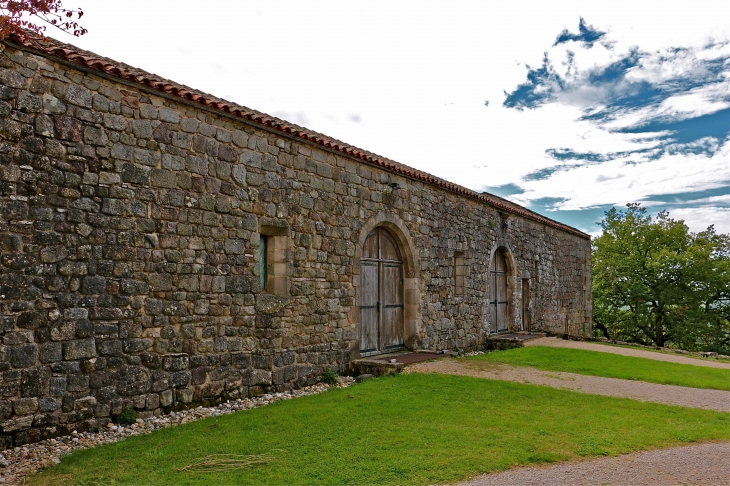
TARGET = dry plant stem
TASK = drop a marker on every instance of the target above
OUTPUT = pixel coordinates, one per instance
(225, 462)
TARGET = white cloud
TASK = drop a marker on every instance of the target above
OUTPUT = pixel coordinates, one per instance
(620, 182)
(721, 199)
(698, 219)
(703, 100)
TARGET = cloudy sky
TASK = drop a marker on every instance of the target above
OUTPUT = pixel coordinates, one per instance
(566, 107)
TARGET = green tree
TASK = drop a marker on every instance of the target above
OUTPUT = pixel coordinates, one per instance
(655, 282)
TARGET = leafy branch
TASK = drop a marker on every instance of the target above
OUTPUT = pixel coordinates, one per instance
(20, 17)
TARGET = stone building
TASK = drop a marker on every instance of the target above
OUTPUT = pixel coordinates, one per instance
(162, 247)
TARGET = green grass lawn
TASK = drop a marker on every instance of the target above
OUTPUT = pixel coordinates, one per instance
(407, 429)
(613, 366)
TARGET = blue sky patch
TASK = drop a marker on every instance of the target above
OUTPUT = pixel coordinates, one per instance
(586, 34)
(505, 190)
(656, 105)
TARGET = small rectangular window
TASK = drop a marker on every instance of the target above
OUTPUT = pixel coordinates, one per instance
(274, 260)
(263, 261)
(459, 273)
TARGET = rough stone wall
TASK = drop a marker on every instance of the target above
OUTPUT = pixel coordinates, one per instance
(130, 225)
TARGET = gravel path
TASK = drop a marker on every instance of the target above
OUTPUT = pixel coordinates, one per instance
(668, 394)
(639, 353)
(705, 464)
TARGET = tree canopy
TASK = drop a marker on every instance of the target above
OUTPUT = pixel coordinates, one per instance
(20, 17)
(655, 282)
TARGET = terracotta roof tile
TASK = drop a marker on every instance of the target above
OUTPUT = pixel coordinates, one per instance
(72, 54)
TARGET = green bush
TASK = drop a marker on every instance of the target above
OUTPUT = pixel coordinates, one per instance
(329, 376)
(127, 416)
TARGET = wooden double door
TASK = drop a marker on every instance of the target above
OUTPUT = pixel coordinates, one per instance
(498, 301)
(381, 294)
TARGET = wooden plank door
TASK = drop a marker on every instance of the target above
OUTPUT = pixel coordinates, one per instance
(498, 293)
(381, 294)
(368, 306)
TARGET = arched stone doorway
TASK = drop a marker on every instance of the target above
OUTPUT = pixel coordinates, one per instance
(381, 294)
(499, 310)
(398, 237)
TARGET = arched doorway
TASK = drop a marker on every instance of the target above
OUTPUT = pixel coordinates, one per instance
(498, 301)
(381, 294)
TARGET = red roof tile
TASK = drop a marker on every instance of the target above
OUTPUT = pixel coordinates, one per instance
(72, 54)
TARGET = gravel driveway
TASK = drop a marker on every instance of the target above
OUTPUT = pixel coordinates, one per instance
(706, 464)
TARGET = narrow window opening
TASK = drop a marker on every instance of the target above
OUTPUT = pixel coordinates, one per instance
(274, 260)
(459, 273)
(526, 325)
(263, 262)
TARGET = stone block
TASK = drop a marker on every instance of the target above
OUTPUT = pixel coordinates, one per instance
(163, 178)
(29, 103)
(18, 423)
(142, 129)
(67, 128)
(93, 285)
(169, 115)
(175, 362)
(166, 398)
(32, 319)
(198, 375)
(72, 269)
(78, 95)
(184, 395)
(238, 284)
(53, 254)
(50, 352)
(79, 349)
(77, 383)
(122, 152)
(49, 404)
(23, 356)
(133, 287)
(114, 207)
(24, 406)
(12, 79)
(135, 174)
(95, 136)
(159, 282)
(270, 304)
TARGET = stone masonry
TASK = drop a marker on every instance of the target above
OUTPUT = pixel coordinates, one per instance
(130, 225)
